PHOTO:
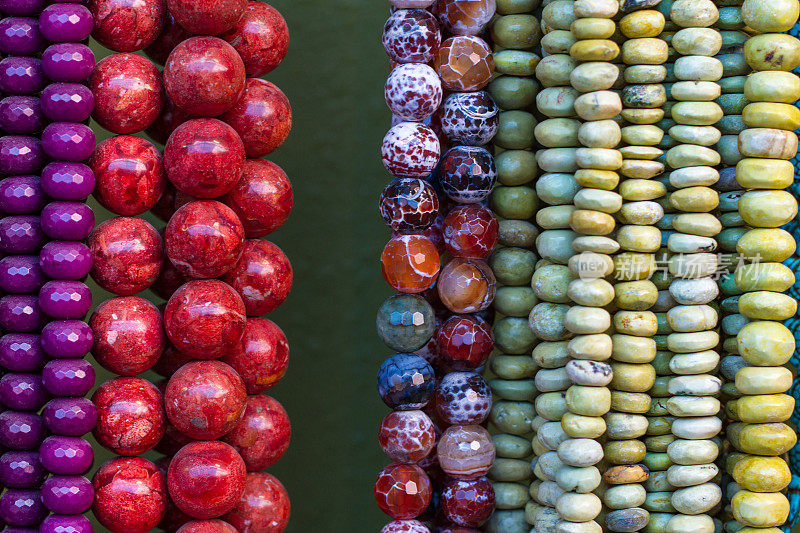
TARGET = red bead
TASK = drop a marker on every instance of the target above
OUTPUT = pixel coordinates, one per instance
(405, 526)
(407, 436)
(409, 205)
(130, 416)
(172, 441)
(262, 435)
(262, 199)
(126, 26)
(262, 356)
(170, 361)
(204, 158)
(410, 150)
(402, 491)
(130, 495)
(129, 175)
(170, 37)
(262, 277)
(204, 76)
(128, 93)
(165, 207)
(206, 479)
(207, 526)
(204, 239)
(264, 506)
(466, 285)
(411, 36)
(464, 17)
(465, 63)
(170, 118)
(464, 342)
(261, 37)
(205, 399)
(206, 17)
(262, 117)
(128, 335)
(205, 319)
(468, 503)
(128, 253)
(169, 281)
(470, 231)
(410, 263)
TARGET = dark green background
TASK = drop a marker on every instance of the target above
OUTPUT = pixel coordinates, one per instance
(333, 76)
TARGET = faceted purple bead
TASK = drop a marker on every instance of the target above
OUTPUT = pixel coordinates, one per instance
(68, 377)
(67, 102)
(67, 494)
(21, 234)
(66, 23)
(21, 470)
(20, 36)
(20, 154)
(56, 523)
(67, 221)
(22, 7)
(65, 299)
(21, 274)
(68, 181)
(23, 392)
(22, 195)
(21, 75)
(70, 416)
(67, 339)
(10, 529)
(68, 456)
(65, 260)
(68, 62)
(21, 352)
(21, 115)
(20, 430)
(22, 507)
(68, 141)
(20, 313)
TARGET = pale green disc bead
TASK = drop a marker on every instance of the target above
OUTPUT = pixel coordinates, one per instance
(697, 499)
(515, 301)
(512, 447)
(514, 92)
(515, 62)
(658, 443)
(512, 7)
(692, 452)
(552, 380)
(518, 203)
(516, 167)
(657, 482)
(557, 101)
(764, 276)
(659, 425)
(520, 233)
(510, 470)
(555, 245)
(510, 495)
(556, 189)
(690, 475)
(624, 496)
(513, 417)
(557, 42)
(551, 406)
(554, 70)
(515, 130)
(517, 390)
(551, 354)
(513, 366)
(659, 502)
(513, 266)
(657, 461)
(521, 31)
(513, 335)
(550, 283)
(507, 521)
(578, 479)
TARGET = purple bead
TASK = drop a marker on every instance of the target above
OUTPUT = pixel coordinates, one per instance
(67, 62)
(20, 154)
(21, 352)
(68, 181)
(68, 456)
(23, 392)
(21, 75)
(56, 523)
(20, 430)
(20, 36)
(10, 529)
(20, 313)
(67, 102)
(21, 274)
(67, 339)
(66, 23)
(68, 141)
(67, 494)
(21, 234)
(22, 7)
(20, 507)
(67, 221)
(21, 115)
(70, 416)
(65, 260)
(21, 470)
(68, 377)
(22, 195)
(65, 299)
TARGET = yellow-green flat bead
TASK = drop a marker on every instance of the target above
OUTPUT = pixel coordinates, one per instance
(775, 16)
(520, 233)
(760, 509)
(519, 203)
(514, 92)
(764, 277)
(515, 301)
(513, 266)
(763, 380)
(767, 305)
(511, 7)
(513, 335)
(772, 51)
(516, 62)
(764, 408)
(513, 417)
(771, 115)
(772, 86)
(512, 446)
(515, 130)
(521, 31)
(758, 173)
(767, 209)
(510, 470)
(762, 474)
(516, 167)
(762, 439)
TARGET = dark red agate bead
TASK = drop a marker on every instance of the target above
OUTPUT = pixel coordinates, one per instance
(130, 495)
(262, 199)
(207, 526)
(170, 37)
(402, 491)
(206, 17)
(126, 26)
(206, 479)
(170, 118)
(262, 117)
(128, 93)
(409, 205)
(411, 36)
(129, 175)
(463, 398)
(468, 503)
(204, 158)
(262, 277)
(470, 231)
(130, 415)
(407, 436)
(261, 37)
(262, 357)
(127, 253)
(464, 342)
(129, 335)
(264, 506)
(262, 435)
(468, 174)
(205, 319)
(405, 526)
(204, 76)
(204, 239)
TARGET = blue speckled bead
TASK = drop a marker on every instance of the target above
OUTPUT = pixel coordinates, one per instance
(405, 381)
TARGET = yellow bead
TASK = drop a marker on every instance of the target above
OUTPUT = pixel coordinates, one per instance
(772, 16)
(767, 209)
(762, 439)
(768, 142)
(764, 277)
(594, 50)
(765, 343)
(772, 51)
(764, 408)
(762, 474)
(771, 115)
(645, 23)
(758, 173)
(763, 380)
(767, 305)
(760, 509)
(772, 86)
(767, 244)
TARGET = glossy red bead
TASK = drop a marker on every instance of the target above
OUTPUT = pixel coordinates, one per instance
(127, 26)
(264, 506)
(466, 285)
(261, 37)
(130, 495)
(262, 198)
(470, 231)
(128, 253)
(130, 416)
(262, 117)
(170, 118)
(411, 36)
(405, 526)
(410, 263)
(206, 17)
(407, 436)
(262, 434)
(464, 342)
(464, 17)
(262, 357)
(403, 491)
(207, 526)
(262, 277)
(468, 503)
(170, 37)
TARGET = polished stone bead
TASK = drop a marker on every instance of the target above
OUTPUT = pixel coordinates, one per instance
(21, 470)
(67, 456)
(21, 234)
(66, 524)
(21, 115)
(68, 377)
(20, 36)
(70, 416)
(67, 181)
(405, 322)
(20, 274)
(131, 494)
(69, 221)
(21, 430)
(68, 62)
(65, 260)
(63, 22)
(19, 507)
(23, 392)
(22, 195)
(21, 75)
(67, 102)
(126, 26)
(68, 141)
(405, 382)
(22, 7)
(20, 154)
(21, 352)
(66, 339)
(264, 505)
(65, 299)
(21, 313)
(67, 494)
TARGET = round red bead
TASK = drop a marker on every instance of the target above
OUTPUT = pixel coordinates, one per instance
(170, 361)
(130, 416)
(470, 231)
(403, 491)
(207, 526)
(262, 277)
(410, 150)
(262, 117)
(407, 436)
(128, 253)
(410, 263)
(262, 357)
(262, 435)
(405, 526)
(130, 495)
(468, 503)
(261, 37)
(126, 26)
(264, 506)
(262, 199)
(464, 342)
(206, 17)
(170, 37)
(170, 118)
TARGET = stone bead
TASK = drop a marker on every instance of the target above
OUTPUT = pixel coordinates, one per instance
(690, 475)
(698, 524)
(772, 52)
(772, 86)
(466, 452)
(765, 343)
(763, 380)
(580, 452)
(764, 276)
(762, 439)
(692, 452)
(760, 510)
(578, 507)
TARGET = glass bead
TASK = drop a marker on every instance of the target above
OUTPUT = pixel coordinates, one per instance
(464, 17)
(405, 322)
(68, 377)
(264, 505)
(21, 195)
(463, 398)
(262, 117)
(67, 456)
(411, 36)
(468, 503)
(62, 22)
(405, 382)
(410, 150)
(21, 430)
(464, 342)
(71, 62)
(262, 198)
(21, 274)
(72, 417)
(20, 154)
(470, 118)
(407, 436)
(468, 174)
(21, 470)
(20, 36)
(470, 231)
(413, 92)
(464, 63)
(22, 507)
(69, 221)
(261, 36)
(130, 494)
(21, 115)
(466, 285)
(262, 357)
(403, 491)
(405, 526)
(263, 277)
(262, 434)
(127, 253)
(65, 299)
(410, 263)
(67, 494)
(21, 234)
(66, 339)
(66, 524)
(466, 452)
(130, 415)
(23, 392)
(408, 205)
(67, 181)
(21, 75)
(21, 352)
